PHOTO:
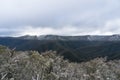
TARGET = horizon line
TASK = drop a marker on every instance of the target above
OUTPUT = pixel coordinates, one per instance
(60, 35)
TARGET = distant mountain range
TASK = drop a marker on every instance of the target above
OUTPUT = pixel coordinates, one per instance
(74, 48)
(69, 38)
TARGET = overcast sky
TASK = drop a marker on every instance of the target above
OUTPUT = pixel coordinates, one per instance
(59, 17)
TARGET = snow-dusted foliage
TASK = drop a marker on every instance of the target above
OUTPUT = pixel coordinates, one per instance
(30, 65)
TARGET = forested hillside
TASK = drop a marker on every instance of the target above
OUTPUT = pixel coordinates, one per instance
(31, 65)
(74, 50)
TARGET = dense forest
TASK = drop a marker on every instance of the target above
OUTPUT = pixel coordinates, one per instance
(76, 51)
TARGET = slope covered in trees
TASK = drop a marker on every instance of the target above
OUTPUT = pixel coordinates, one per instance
(76, 51)
(31, 65)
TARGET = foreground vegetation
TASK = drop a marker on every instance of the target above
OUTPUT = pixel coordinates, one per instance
(30, 65)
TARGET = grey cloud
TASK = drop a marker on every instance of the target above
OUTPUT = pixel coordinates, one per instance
(85, 15)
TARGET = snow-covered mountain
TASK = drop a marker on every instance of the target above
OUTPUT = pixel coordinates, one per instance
(67, 38)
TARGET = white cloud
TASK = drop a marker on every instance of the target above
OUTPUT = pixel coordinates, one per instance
(29, 30)
(113, 23)
(112, 26)
(52, 16)
(66, 30)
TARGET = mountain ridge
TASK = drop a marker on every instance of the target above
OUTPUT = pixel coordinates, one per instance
(115, 37)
